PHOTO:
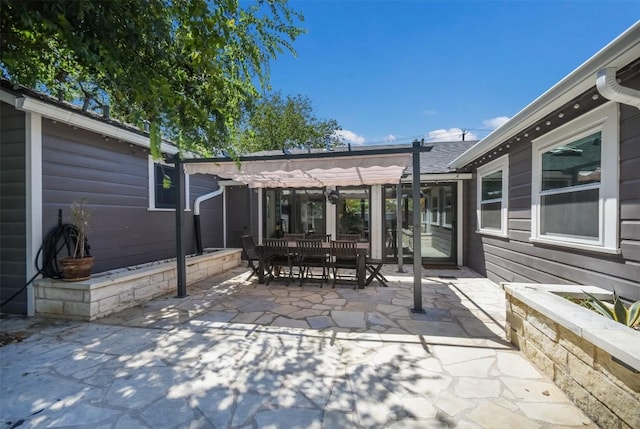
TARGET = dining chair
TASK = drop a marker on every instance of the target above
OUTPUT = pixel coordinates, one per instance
(276, 257)
(343, 257)
(250, 253)
(310, 254)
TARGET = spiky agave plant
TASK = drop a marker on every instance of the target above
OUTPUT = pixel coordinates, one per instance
(616, 311)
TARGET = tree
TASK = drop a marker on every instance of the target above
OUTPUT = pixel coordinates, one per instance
(278, 122)
(190, 67)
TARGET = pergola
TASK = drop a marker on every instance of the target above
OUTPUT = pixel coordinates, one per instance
(310, 170)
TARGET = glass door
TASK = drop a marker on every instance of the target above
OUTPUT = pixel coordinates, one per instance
(353, 212)
(298, 211)
(437, 223)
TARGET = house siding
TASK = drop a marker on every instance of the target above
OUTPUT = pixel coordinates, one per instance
(113, 178)
(516, 259)
(12, 208)
(241, 214)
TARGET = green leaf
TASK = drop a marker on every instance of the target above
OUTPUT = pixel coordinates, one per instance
(634, 314)
(183, 65)
(600, 306)
(620, 310)
(155, 141)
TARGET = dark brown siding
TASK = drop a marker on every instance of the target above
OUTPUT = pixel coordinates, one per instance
(517, 260)
(12, 209)
(113, 178)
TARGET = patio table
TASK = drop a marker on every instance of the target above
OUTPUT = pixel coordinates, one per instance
(361, 252)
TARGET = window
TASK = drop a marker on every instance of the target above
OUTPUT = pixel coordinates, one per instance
(447, 213)
(352, 211)
(435, 206)
(294, 211)
(575, 183)
(493, 197)
(162, 190)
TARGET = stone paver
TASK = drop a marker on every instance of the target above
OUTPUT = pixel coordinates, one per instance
(236, 354)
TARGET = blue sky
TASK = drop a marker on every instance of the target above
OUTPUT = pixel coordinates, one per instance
(400, 70)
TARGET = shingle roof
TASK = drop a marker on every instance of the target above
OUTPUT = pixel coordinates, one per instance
(442, 153)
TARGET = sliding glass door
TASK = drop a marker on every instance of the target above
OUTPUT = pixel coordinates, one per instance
(293, 211)
(437, 223)
(352, 210)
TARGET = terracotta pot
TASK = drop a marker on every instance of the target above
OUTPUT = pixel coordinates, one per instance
(76, 269)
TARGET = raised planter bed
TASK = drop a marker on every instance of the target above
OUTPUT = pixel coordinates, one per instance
(594, 360)
(109, 292)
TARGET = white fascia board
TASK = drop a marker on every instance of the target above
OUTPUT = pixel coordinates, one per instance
(618, 53)
(8, 98)
(70, 117)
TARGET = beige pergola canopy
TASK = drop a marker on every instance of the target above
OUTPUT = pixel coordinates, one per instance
(358, 169)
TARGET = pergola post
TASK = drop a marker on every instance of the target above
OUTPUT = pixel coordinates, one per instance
(417, 236)
(399, 245)
(181, 266)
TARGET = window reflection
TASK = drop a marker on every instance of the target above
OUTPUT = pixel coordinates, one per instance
(293, 211)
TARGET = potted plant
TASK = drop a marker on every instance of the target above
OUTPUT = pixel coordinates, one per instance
(77, 266)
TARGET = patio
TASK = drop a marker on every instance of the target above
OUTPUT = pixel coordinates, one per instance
(235, 353)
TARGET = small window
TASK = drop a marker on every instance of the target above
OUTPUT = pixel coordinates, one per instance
(574, 183)
(162, 186)
(165, 186)
(492, 207)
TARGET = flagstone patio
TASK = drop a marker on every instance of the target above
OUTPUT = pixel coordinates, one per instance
(236, 354)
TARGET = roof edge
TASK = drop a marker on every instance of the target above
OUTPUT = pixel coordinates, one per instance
(617, 53)
(27, 103)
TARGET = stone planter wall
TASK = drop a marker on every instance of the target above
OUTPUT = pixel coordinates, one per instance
(117, 290)
(594, 360)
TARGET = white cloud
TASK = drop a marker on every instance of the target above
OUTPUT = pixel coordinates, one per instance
(429, 112)
(496, 122)
(350, 137)
(452, 134)
(390, 138)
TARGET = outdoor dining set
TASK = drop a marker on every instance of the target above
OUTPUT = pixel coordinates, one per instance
(313, 258)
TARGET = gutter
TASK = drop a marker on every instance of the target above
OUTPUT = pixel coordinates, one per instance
(609, 87)
(196, 215)
(80, 120)
(618, 53)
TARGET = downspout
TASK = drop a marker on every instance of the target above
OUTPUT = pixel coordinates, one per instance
(196, 215)
(609, 87)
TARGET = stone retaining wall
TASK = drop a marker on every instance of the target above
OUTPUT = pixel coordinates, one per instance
(111, 292)
(594, 360)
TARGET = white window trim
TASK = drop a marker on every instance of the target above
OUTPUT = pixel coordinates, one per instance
(604, 119)
(152, 184)
(498, 164)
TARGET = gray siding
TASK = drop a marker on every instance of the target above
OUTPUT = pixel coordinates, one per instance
(12, 209)
(517, 260)
(240, 221)
(112, 177)
(441, 239)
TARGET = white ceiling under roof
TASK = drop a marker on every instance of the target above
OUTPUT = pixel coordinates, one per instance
(359, 169)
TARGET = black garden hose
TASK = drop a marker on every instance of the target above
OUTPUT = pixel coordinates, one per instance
(61, 237)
